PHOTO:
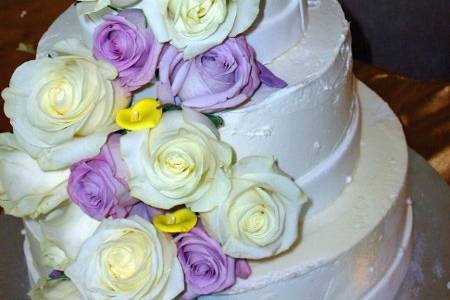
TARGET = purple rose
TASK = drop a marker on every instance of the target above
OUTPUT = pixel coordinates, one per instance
(223, 77)
(206, 268)
(126, 42)
(145, 211)
(99, 186)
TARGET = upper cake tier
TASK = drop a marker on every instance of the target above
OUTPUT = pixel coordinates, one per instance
(286, 16)
(312, 126)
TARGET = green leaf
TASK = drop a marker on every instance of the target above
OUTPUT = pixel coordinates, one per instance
(170, 107)
(216, 120)
(114, 8)
(122, 131)
(61, 277)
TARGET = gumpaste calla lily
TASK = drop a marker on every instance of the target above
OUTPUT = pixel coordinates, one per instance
(143, 115)
(182, 220)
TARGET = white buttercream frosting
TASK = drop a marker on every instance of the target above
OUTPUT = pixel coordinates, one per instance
(281, 26)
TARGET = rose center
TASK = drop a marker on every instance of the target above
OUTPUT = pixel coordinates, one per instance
(197, 19)
(175, 163)
(125, 259)
(201, 10)
(256, 217)
(120, 263)
(56, 98)
(256, 221)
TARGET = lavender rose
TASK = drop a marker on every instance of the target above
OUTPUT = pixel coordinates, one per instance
(124, 41)
(223, 77)
(99, 186)
(206, 268)
(145, 211)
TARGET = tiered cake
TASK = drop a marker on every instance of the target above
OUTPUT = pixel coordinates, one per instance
(336, 139)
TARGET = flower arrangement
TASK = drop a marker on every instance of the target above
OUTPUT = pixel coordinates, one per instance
(141, 199)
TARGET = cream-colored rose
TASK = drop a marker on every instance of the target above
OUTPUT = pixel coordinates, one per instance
(63, 108)
(179, 162)
(198, 25)
(26, 190)
(261, 215)
(127, 259)
(55, 289)
(91, 6)
(64, 231)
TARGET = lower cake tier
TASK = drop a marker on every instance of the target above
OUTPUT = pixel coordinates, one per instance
(357, 248)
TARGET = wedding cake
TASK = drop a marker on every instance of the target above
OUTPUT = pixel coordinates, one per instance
(210, 149)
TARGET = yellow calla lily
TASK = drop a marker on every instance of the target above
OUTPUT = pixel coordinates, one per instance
(144, 114)
(182, 220)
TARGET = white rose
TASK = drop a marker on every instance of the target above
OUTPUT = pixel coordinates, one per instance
(198, 25)
(26, 190)
(91, 6)
(260, 217)
(64, 231)
(181, 161)
(127, 259)
(63, 108)
(53, 256)
(55, 289)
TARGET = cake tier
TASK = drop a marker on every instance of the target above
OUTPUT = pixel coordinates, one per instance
(278, 16)
(346, 249)
(312, 126)
(286, 16)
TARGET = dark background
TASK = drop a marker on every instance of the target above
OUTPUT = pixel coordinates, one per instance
(408, 36)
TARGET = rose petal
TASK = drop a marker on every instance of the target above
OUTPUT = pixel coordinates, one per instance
(243, 269)
(270, 79)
